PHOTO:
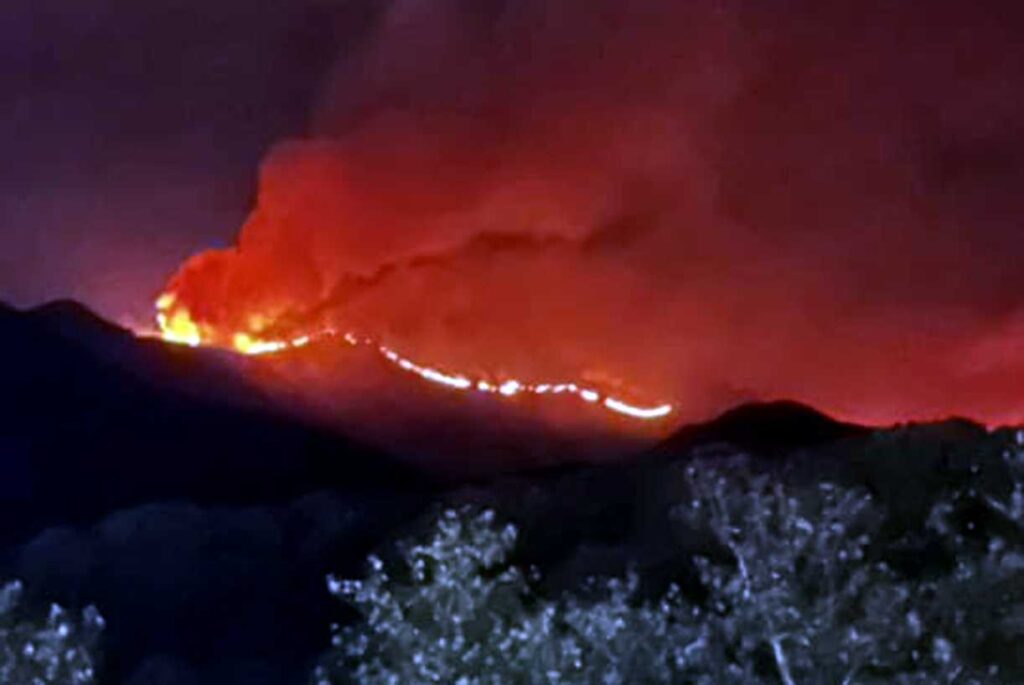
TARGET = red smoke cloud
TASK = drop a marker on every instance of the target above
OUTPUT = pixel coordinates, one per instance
(707, 201)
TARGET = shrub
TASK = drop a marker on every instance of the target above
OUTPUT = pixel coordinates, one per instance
(455, 611)
(797, 597)
(794, 588)
(55, 649)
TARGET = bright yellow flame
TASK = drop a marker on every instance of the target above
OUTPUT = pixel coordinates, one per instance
(165, 302)
(179, 328)
(246, 344)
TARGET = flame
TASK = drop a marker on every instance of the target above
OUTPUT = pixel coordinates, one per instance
(246, 344)
(177, 326)
(175, 323)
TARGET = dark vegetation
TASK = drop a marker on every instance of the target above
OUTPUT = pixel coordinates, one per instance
(154, 484)
(93, 419)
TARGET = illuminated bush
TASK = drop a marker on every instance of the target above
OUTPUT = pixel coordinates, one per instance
(791, 594)
(797, 598)
(456, 612)
(55, 649)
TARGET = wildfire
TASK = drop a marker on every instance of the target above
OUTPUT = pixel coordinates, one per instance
(177, 326)
(175, 323)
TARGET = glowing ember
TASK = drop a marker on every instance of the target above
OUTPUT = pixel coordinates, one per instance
(177, 326)
(637, 412)
(509, 388)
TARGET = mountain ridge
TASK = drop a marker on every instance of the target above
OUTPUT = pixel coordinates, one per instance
(198, 430)
(92, 421)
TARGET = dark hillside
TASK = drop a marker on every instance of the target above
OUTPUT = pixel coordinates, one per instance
(92, 420)
(764, 428)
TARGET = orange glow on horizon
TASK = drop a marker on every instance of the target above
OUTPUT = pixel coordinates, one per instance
(176, 326)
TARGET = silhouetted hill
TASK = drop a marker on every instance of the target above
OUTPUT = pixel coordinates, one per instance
(76, 321)
(763, 428)
(92, 419)
(205, 373)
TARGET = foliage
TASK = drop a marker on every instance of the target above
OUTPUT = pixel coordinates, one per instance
(460, 613)
(55, 649)
(987, 577)
(795, 586)
(798, 598)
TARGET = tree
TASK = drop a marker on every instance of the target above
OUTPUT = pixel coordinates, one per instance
(798, 590)
(453, 610)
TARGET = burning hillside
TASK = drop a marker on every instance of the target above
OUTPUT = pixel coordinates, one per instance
(177, 326)
(640, 207)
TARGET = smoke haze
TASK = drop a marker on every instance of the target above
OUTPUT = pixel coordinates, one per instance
(706, 201)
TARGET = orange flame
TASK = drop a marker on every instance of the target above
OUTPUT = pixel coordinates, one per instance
(177, 326)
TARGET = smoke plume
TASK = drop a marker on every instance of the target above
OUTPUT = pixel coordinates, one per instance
(708, 201)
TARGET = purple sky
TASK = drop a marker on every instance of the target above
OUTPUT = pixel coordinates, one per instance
(132, 131)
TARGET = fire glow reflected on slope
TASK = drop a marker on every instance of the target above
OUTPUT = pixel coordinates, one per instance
(177, 326)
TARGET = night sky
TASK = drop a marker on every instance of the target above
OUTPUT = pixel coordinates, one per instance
(132, 132)
(713, 201)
